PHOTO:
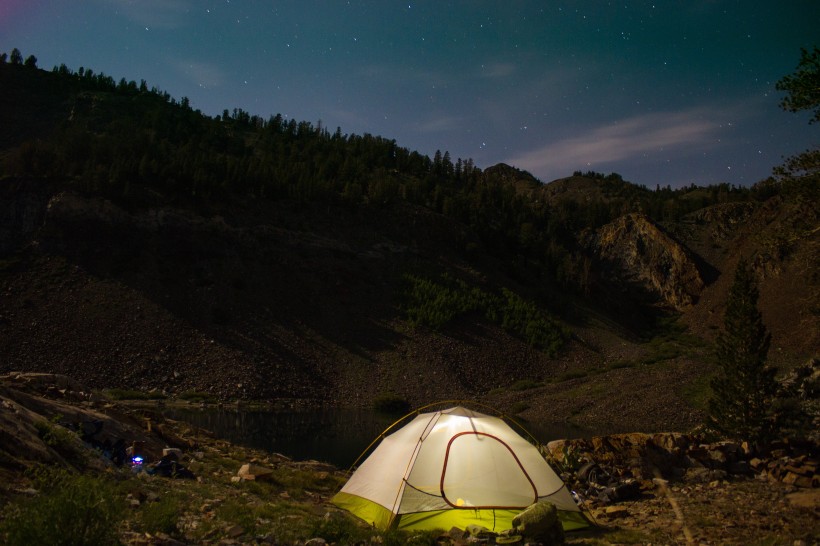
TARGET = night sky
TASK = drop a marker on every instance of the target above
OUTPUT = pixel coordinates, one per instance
(660, 92)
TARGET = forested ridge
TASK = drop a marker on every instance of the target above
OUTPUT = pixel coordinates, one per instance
(110, 137)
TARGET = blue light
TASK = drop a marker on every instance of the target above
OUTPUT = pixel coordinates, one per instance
(137, 460)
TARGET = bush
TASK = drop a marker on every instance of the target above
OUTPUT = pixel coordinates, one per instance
(63, 441)
(127, 394)
(69, 510)
(434, 304)
(162, 516)
(525, 385)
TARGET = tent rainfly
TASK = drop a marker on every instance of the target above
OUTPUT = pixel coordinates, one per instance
(453, 468)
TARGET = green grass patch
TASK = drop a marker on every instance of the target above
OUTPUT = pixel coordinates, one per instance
(162, 516)
(69, 509)
(63, 441)
(525, 385)
(698, 392)
(568, 376)
(661, 352)
(198, 397)
(620, 364)
(126, 394)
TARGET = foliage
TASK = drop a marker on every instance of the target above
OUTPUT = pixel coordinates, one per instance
(62, 440)
(161, 516)
(198, 397)
(799, 175)
(743, 391)
(525, 384)
(128, 394)
(69, 510)
(803, 87)
(436, 303)
(524, 319)
(125, 141)
(571, 460)
(340, 529)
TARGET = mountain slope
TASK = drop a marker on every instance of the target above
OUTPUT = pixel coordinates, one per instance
(143, 245)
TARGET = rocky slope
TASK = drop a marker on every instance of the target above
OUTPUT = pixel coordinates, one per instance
(638, 488)
(269, 300)
(256, 259)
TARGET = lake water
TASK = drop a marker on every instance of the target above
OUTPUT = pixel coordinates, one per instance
(336, 436)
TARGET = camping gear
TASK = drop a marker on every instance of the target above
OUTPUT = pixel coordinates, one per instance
(454, 468)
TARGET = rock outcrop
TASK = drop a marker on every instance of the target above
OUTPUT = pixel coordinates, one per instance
(647, 458)
(641, 254)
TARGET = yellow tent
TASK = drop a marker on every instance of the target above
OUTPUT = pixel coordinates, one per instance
(453, 468)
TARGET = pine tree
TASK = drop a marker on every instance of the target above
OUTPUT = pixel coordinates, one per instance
(743, 390)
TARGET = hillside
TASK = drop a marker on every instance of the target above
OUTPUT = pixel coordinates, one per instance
(144, 245)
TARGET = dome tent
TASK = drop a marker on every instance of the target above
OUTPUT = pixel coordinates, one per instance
(453, 468)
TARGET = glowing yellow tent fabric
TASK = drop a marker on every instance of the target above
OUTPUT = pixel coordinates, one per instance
(453, 468)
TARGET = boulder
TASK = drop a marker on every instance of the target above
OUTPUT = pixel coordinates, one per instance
(540, 522)
(250, 471)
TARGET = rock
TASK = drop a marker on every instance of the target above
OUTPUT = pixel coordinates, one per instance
(255, 472)
(807, 498)
(639, 250)
(540, 522)
(172, 451)
(615, 512)
(740, 467)
(235, 532)
(316, 542)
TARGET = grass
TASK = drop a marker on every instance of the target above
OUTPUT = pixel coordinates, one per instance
(126, 394)
(698, 392)
(162, 516)
(568, 376)
(63, 441)
(525, 385)
(199, 397)
(69, 509)
(621, 364)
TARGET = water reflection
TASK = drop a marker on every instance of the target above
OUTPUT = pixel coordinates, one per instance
(336, 436)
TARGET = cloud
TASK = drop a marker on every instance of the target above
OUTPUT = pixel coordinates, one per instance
(439, 124)
(669, 133)
(202, 74)
(497, 70)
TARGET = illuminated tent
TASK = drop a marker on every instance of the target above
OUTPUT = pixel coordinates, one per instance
(453, 468)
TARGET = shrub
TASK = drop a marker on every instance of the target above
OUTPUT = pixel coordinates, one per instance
(69, 510)
(337, 528)
(162, 516)
(525, 385)
(62, 440)
(434, 304)
(127, 394)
